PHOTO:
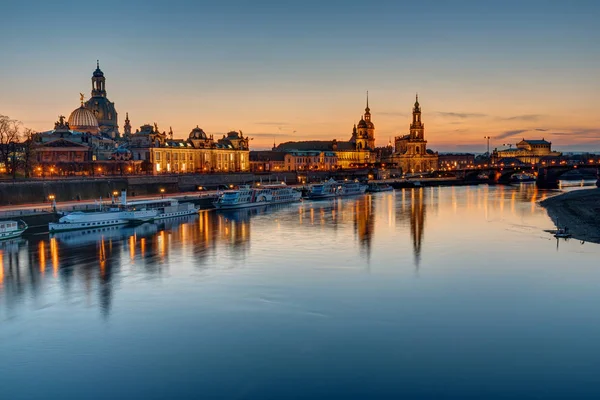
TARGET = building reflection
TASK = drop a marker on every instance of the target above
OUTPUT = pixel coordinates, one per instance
(89, 261)
(411, 212)
(364, 222)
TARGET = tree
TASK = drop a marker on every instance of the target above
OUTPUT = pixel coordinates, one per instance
(27, 149)
(10, 133)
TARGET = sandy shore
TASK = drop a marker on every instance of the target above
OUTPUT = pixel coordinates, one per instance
(579, 211)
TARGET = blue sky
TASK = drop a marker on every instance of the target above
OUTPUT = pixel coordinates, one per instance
(272, 68)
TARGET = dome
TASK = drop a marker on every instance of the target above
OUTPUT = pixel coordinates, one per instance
(98, 72)
(362, 124)
(197, 133)
(233, 135)
(83, 120)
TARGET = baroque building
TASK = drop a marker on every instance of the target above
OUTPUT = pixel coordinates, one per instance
(160, 153)
(410, 151)
(358, 151)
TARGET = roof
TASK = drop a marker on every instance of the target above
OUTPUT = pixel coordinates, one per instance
(536, 141)
(267, 155)
(306, 145)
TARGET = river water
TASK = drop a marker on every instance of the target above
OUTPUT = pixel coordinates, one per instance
(452, 292)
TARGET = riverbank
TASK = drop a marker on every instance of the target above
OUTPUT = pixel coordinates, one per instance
(579, 211)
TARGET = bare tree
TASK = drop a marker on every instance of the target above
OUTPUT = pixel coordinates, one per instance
(10, 134)
(27, 149)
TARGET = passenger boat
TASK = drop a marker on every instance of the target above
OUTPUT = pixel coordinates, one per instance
(379, 187)
(11, 229)
(351, 188)
(247, 196)
(323, 190)
(135, 212)
(158, 209)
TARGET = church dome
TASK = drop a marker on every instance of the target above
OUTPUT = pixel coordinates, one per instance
(197, 133)
(362, 123)
(83, 120)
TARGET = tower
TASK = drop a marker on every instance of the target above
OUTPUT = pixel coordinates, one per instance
(417, 143)
(362, 134)
(98, 82)
(370, 126)
(416, 127)
(127, 126)
(103, 109)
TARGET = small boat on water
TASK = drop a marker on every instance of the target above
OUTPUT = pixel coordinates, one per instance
(351, 188)
(123, 213)
(247, 196)
(379, 187)
(562, 233)
(11, 229)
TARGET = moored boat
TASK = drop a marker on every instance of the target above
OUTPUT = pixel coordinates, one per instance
(135, 212)
(246, 196)
(351, 188)
(379, 187)
(11, 229)
(323, 190)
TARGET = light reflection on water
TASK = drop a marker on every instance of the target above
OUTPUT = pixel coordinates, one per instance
(453, 291)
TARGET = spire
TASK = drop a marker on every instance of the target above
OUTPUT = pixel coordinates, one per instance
(367, 109)
(98, 64)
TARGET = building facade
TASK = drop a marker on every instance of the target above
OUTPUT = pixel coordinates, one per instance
(447, 161)
(410, 151)
(359, 151)
(199, 153)
(526, 152)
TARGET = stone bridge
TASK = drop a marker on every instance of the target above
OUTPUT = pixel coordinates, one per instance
(547, 176)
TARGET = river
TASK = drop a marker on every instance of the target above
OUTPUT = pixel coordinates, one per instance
(453, 292)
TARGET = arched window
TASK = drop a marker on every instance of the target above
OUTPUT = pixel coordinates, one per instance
(418, 150)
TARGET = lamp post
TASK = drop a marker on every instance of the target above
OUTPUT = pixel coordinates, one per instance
(162, 192)
(53, 198)
(488, 144)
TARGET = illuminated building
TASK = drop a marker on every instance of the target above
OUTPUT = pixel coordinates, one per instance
(357, 151)
(410, 153)
(160, 153)
(527, 152)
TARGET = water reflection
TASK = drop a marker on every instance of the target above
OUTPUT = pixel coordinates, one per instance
(90, 265)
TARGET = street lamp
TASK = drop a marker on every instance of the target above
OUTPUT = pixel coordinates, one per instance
(488, 144)
(162, 192)
(53, 199)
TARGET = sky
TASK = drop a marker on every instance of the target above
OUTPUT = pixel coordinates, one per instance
(297, 70)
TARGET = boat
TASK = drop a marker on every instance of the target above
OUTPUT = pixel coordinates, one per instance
(11, 229)
(323, 190)
(522, 177)
(123, 213)
(379, 187)
(351, 188)
(157, 209)
(247, 196)
(562, 233)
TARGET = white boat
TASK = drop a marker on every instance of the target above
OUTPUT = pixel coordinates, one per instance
(246, 196)
(11, 229)
(159, 209)
(123, 213)
(351, 188)
(323, 190)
